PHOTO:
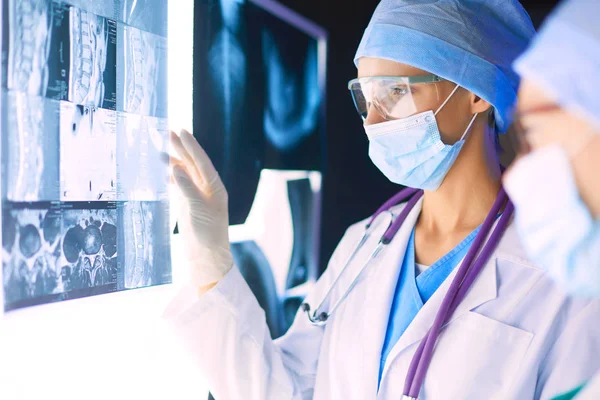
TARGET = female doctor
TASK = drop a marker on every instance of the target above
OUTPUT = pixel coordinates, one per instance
(555, 183)
(434, 88)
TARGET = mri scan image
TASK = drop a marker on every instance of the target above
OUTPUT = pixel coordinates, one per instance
(92, 79)
(143, 72)
(61, 52)
(103, 8)
(55, 252)
(140, 141)
(83, 119)
(88, 159)
(31, 247)
(146, 15)
(145, 255)
(29, 148)
(38, 48)
(89, 256)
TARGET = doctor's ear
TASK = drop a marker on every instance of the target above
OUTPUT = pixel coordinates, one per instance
(479, 105)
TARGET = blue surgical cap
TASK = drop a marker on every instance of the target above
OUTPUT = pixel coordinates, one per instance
(472, 43)
(565, 58)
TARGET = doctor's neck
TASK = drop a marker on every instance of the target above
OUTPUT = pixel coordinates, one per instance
(469, 190)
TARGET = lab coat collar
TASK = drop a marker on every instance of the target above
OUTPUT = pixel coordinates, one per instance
(380, 294)
(380, 290)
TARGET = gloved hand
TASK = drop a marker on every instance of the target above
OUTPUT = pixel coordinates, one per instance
(201, 211)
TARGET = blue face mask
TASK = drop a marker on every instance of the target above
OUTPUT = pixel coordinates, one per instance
(555, 226)
(410, 151)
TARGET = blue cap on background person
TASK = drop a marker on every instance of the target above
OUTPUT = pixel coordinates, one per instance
(564, 59)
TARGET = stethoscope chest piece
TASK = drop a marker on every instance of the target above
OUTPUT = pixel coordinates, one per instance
(318, 317)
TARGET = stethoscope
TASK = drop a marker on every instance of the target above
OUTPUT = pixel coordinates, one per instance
(465, 276)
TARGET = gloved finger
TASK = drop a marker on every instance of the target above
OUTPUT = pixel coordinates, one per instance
(202, 161)
(186, 184)
(186, 158)
(171, 161)
(180, 149)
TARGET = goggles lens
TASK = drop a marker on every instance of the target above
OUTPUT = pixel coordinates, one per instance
(394, 97)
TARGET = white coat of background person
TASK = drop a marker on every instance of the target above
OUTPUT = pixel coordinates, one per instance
(555, 184)
(514, 336)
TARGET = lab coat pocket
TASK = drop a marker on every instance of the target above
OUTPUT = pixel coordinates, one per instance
(476, 357)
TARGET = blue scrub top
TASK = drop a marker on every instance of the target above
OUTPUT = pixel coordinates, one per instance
(411, 293)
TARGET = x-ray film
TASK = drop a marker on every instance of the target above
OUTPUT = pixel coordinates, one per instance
(84, 202)
(259, 78)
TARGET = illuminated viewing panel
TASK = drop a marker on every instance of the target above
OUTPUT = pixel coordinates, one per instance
(84, 120)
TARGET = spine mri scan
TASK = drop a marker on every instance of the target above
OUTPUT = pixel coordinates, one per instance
(84, 120)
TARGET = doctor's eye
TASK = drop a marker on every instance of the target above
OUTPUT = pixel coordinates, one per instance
(399, 91)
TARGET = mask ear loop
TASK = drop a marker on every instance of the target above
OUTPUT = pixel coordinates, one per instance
(445, 101)
(469, 126)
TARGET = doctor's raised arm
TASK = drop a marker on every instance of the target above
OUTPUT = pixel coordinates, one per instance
(434, 296)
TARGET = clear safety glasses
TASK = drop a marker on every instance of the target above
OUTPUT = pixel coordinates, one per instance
(394, 97)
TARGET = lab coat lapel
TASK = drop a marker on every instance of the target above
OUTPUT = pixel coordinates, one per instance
(383, 278)
(484, 288)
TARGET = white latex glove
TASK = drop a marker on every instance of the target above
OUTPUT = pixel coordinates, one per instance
(201, 212)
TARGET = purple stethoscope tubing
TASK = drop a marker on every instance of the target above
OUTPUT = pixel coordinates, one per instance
(463, 280)
(320, 318)
(395, 200)
(465, 276)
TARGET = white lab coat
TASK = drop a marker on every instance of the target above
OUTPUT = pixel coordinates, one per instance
(515, 335)
(591, 391)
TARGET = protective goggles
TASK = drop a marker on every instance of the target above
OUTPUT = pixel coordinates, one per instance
(394, 97)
